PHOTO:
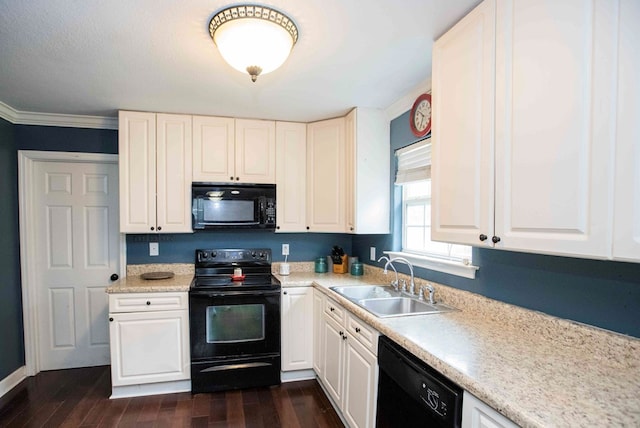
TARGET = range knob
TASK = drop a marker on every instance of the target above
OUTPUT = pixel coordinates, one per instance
(253, 254)
(205, 255)
(214, 254)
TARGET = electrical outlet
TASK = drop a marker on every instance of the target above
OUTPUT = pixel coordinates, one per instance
(154, 249)
(372, 254)
(285, 249)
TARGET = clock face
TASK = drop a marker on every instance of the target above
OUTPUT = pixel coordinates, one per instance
(420, 119)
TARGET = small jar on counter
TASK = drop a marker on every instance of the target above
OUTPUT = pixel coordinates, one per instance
(321, 265)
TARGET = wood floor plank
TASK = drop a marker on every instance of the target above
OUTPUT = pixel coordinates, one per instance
(79, 398)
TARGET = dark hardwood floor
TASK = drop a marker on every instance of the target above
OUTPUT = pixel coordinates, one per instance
(80, 398)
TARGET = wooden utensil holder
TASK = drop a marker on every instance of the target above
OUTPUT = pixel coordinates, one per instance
(341, 268)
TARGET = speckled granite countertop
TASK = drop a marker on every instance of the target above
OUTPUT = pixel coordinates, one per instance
(538, 370)
(133, 283)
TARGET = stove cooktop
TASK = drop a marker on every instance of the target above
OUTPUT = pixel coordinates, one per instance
(216, 269)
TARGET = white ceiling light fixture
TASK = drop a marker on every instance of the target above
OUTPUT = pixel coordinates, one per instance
(255, 39)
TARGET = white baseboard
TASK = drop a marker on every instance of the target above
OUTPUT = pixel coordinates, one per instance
(12, 380)
(150, 389)
(297, 375)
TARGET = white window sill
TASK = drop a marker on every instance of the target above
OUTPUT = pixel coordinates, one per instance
(439, 265)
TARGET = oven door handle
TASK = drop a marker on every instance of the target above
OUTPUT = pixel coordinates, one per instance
(237, 293)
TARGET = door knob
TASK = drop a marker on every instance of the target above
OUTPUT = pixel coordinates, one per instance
(114, 277)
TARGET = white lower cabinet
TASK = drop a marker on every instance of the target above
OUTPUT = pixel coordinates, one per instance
(476, 414)
(350, 365)
(149, 337)
(297, 328)
(318, 336)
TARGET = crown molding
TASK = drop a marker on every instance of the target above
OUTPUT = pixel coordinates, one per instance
(18, 117)
(405, 103)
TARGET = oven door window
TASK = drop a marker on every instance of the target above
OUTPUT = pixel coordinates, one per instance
(235, 323)
(227, 211)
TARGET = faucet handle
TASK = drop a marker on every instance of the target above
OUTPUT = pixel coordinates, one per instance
(394, 284)
(430, 289)
(403, 283)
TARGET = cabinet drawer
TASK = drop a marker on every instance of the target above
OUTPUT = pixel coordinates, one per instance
(334, 310)
(365, 334)
(137, 302)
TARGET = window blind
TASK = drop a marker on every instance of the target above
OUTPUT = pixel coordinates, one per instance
(414, 162)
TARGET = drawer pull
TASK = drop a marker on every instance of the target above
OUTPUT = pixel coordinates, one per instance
(148, 303)
(110, 319)
(357, 329)
(332, 309)
(341, 333)
(344, 337)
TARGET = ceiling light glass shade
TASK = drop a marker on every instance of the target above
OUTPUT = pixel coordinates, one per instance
(253, 39)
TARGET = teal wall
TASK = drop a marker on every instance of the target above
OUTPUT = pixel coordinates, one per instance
(11, 332)
(601, 293)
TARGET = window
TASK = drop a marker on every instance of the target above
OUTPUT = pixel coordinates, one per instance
(416, 225)
(414, 175)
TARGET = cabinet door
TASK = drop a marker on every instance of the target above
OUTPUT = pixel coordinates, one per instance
(326, 176)
(318, 330)
(476, 414)
(255, 151)
(626, 225)
(360, 385)
(213, 149)
(149, 347)
(333, 376)
(173, 172)
(555, 76)
(367, 171)
(291, 174)
(137, 164)
(463, 138)
(297, 328)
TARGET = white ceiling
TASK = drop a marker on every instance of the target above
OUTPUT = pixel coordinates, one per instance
(84, 57)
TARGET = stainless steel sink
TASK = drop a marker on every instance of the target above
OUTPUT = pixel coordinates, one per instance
(385, 302)
(359, 292)
(398, 306)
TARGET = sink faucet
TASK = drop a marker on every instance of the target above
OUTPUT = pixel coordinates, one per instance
(395, 283)
(412, 285)
(431, 290)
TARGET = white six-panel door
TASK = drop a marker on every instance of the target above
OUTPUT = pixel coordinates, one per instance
(76, 207)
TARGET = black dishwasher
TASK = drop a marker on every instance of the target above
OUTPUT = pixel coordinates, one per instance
(412, 394)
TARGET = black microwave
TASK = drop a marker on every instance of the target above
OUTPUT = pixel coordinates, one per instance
(229, 206)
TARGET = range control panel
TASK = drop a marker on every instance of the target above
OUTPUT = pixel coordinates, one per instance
(228, 256)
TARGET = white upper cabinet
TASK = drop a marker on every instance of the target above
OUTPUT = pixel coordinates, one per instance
(626, 224)
(173, 173)
(214, 144)
(137, 168)
(524, 135)
(255, 151)
(291, 176)
(326, 176)
(155, 172)
(234, 150)
(463, 94)
(367, 171)
(555, 67)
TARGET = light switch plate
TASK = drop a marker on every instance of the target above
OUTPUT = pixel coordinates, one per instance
(372, 254)
(154, 249)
